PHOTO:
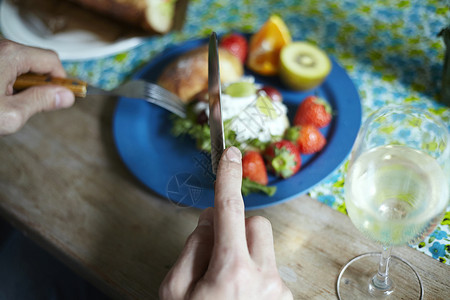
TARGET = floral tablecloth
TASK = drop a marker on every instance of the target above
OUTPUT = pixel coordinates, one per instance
(390, 49)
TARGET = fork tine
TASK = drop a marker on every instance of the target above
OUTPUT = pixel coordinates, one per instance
(165, 98)
(180, 111)
(162, 94)
(174, 102)
(174, 107)
(158, 90)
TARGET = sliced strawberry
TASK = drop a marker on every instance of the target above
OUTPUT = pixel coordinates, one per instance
(283, 158)
(235, 43)
(254, 168)
(307, 137)
(313, 111)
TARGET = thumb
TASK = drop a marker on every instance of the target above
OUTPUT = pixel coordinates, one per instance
(43, 98)
(15, 110)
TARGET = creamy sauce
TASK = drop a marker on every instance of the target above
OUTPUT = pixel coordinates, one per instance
(251, 118)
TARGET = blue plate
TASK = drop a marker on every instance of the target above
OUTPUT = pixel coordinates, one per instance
(177, 170)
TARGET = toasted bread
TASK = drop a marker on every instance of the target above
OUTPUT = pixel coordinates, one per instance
(188, 75)
(150, 15)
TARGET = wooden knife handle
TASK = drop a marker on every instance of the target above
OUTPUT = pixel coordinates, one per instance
(78, 87)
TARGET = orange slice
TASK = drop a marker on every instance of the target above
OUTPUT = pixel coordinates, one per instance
(265, 46)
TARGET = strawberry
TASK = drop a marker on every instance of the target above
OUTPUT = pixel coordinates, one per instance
(253, 167)
(313, 111)
(307, 137)
(283, 158)
(236, 44)
(273, 93)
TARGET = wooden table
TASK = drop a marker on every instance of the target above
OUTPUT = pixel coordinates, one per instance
(63, 183)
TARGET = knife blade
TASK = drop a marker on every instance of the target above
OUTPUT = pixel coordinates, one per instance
(215, 105)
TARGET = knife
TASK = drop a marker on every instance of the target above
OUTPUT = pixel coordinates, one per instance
(215, 106)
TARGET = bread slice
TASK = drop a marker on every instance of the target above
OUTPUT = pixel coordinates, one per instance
(150, 15)
(187, 76)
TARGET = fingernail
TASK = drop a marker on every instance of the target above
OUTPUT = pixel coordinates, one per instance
(233, 154)
(204, 222)
(63, 98)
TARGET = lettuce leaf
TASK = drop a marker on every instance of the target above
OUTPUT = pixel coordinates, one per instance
(249, 186)
(201, 134)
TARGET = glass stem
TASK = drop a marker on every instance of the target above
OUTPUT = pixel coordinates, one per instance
(381, 283)
(381, 279)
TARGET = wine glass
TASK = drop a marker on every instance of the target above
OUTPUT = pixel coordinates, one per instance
(396, 192)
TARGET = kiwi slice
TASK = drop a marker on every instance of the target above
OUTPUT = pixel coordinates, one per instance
(240, 89)
(303, 65)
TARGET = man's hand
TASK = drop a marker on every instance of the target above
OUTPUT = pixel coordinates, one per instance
(227, 256)
(16, 59)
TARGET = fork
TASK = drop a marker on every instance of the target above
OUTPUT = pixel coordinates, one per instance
(138, 89)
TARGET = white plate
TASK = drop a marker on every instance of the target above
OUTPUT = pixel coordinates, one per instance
(74, 45)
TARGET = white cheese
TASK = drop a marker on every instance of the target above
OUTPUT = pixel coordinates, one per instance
(250, 118)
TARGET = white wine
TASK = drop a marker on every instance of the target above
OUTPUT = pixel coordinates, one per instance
(396, 195)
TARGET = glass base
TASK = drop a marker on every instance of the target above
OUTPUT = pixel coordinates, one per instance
(355, 279)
